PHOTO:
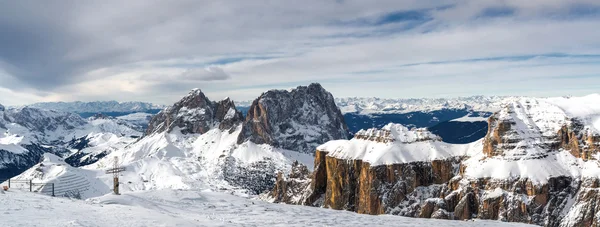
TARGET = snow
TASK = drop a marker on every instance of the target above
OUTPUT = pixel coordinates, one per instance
(176, 161)
(408, 146)
(10, 142)
(135, 117)
(399, 106)
(586, 108)
(97, 107)
(492, 194)
(469, 118)
(230, 114)
(189, 208)
(538, 170)
(534, 126)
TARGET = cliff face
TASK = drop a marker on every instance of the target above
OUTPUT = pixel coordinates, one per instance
(195, 113)
(299, 120)
(537, 164)
(357, 186)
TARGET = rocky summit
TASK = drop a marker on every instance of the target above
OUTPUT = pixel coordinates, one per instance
(300, 119)
(538, 164)
(195, 113)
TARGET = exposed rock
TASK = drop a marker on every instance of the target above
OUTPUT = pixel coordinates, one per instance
(299, 120)
(289, 189)
(227, 114)
(356, 186)
(580, 142)
(466, 208)
(195, 113)
(586, 207)
(440, 214)
(496, 131)
(431, 206)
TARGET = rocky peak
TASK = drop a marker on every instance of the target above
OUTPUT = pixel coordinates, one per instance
(195, 113)
(2, 108)
(299, 119)
(227, 114)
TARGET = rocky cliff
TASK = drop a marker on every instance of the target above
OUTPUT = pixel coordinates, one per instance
(195, 113)
(537, 164)
(299, 119)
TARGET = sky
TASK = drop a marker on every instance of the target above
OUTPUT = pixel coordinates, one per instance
(156, 51)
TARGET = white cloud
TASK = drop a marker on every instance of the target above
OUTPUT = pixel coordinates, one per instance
(156, 52)
(210, 73)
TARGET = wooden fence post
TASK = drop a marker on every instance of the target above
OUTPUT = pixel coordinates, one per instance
(30, 185)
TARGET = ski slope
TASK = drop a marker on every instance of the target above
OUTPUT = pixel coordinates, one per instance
(188, 208)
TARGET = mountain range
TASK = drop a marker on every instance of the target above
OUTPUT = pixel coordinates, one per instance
(533, 160)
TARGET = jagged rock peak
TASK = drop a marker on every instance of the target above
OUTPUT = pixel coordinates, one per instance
(2, 107)
(195, 113)
(299, 119)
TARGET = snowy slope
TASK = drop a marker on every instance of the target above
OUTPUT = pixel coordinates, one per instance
(395, 144)
(188, 208)
(177, 161)
(534, 126)
(27, 133)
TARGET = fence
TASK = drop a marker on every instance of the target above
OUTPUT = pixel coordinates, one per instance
(43, 188)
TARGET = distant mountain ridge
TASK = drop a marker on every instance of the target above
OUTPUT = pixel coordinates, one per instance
(98, 106)
(362, 105)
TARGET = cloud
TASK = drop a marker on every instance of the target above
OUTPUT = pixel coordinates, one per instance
(210, 73)
(156, 52)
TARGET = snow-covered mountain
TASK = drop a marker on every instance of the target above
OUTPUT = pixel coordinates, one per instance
(97, 107)
(27, 133)
(538, 163)
(387, 106)
(198, 143)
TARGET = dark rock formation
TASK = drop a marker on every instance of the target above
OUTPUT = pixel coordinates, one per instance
(299, 120)
(195, 113)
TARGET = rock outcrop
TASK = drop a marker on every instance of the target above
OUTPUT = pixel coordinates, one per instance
(299, 120)
(195, 114)
(538, 164)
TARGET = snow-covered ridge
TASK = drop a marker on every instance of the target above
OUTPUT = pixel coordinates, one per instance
(398, 106)
(396, 133)
(26, 133)
(402, 146)
(530, 148)
(97, 107)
